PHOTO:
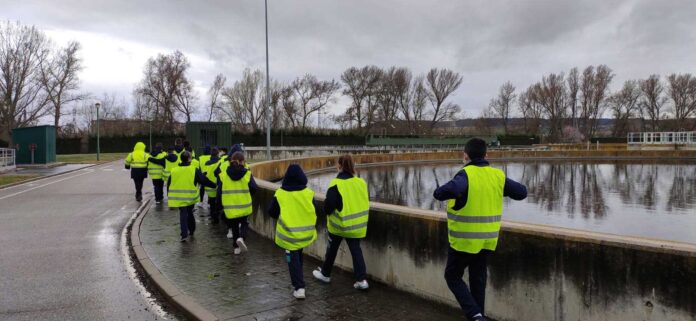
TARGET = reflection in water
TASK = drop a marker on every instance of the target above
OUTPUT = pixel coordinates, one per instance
(655, 200)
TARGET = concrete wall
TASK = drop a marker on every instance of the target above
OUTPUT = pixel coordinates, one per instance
(537, 273)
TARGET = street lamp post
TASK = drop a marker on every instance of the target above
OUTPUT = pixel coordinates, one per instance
(268, 93)
(97, 105)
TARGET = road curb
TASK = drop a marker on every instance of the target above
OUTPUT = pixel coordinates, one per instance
(184, 302)
(46, 176)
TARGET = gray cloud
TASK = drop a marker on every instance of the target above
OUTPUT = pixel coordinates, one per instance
(489, 42)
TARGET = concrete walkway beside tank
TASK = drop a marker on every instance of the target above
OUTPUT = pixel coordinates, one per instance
(256, 285)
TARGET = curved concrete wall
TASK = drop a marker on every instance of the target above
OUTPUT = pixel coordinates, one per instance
(537, 273)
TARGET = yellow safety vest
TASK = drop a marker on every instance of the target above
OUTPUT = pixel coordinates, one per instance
(296, 227)
(168, 167)
(210, 174)
(182, 190)
(351, 221)
(138, 158)
(236, 199)
(156, 171)
(202, 160)
(476, 225)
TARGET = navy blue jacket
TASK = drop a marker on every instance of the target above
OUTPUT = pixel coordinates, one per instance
(160, 161)
(198, 179)
(334, 200)
(294, 180)
(236, 173)
(458, 187)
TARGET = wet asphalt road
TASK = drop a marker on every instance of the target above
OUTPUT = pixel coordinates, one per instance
(60, 248)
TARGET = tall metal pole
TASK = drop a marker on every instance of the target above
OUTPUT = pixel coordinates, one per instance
(150, 134)
(268, 93)
(97, 105)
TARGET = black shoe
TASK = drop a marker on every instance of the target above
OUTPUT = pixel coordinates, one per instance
(480, 319)
(138, 198)
(183, 239)
(190, 234)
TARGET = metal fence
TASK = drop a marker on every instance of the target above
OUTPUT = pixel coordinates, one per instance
(7, 159)
(662, 138)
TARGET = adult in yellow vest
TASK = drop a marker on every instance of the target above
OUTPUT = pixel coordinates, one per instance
(347, 207)
(183, 192)
(202, 159)
(136, 161)
(235, 187)
(293, 206)
(156, 172)
(474, 211)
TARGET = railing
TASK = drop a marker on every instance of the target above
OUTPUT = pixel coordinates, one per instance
(662, 138)
(7, 159)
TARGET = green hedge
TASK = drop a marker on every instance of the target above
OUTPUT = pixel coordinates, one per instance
(519, 140)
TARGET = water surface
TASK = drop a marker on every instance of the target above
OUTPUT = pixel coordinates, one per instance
(653, 200)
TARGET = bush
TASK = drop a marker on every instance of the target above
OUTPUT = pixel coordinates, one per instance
(519, 140)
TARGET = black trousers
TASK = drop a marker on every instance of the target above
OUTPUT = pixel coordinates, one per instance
(202, 192)
(359, 270)
(138, 186)
(215, 210)
(159, 189)
(187, 221)
(294, 259)
(472, 300)
(239, 227)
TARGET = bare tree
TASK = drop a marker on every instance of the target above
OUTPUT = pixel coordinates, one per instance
(531, 110)
(244, 100)
(112, 107)
(573, 88)
(23, 50)
(551, 96)
(361, 87)
(440, 83)
(59, 77)
(652, 101)
(595, 89)
(166, 86)
(214, 95)
(501, 105)
(312, 95)
(682, 91)
(624, 104)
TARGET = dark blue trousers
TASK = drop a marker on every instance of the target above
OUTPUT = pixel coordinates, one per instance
(472, 300)
(159, 189)
(294, 259)
(187, 221)
(359, 270)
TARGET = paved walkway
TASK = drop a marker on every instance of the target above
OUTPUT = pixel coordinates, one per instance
(256, 285)
(60, 248)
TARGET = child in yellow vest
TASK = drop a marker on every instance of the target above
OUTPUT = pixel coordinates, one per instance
(293, 206)
(235, 188)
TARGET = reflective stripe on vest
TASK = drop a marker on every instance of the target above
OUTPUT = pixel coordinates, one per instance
(156, 171)
(296, 225)
(476, 225)
(137, 159)
(182, 190)
(235, 198)
(351, 221)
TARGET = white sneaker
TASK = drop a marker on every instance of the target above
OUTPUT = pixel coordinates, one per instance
(229, 233)
(237, 251)
(242, 245)
(320, 276)
(299, 294)
(361, 285)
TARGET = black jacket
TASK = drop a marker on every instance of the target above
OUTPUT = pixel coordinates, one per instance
(458, 187)
(294, 180)
(161, 161)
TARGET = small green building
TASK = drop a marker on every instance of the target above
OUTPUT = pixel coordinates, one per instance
(40, 139)
(208, 133)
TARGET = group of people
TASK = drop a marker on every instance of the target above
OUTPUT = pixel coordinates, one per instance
(474, 210)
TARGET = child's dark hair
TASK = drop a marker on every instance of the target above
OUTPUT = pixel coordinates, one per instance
(237, 159)
(347, 164)
(177, 142)
(475, 148)
(185, 156)
(214, 151)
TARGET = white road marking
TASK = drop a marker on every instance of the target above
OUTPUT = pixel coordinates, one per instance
(40, 186)
(107, 169)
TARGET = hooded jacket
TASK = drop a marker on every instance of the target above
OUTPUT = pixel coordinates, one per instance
(138, 173)
(236, 173)
(294, 180)
(206, 150)
(235, 148)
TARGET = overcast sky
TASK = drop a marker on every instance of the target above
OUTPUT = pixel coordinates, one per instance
(488, 42)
